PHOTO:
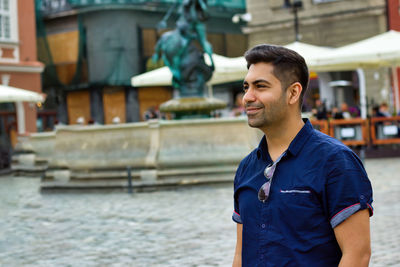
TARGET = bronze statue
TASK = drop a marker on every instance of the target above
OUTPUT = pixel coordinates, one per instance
(179, 51)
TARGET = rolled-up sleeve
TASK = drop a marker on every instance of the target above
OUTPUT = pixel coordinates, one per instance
(236, 212)
(347, 191)
(236, 215)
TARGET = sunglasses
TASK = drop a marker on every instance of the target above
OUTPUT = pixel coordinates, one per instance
(263, 193)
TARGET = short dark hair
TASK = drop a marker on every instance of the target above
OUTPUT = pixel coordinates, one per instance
(289, 66)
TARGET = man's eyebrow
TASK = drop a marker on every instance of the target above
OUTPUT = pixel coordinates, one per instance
(261, 81)
(257, 81)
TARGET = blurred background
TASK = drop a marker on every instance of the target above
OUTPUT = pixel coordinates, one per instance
(82, 54)
(94, 123)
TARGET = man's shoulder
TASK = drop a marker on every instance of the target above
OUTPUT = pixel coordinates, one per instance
(333, 153)
(327, 144)
(249, 158)
(245, 164)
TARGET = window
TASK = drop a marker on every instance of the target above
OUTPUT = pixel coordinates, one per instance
(52, 6)
(8, 20)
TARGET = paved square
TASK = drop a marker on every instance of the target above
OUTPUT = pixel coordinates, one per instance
(385, 224)
(189, 227)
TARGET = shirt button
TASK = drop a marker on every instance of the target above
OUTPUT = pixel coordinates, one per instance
(362, 197)
(263, 225)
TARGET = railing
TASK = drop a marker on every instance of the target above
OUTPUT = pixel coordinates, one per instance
(385, 130)
(320, 125)
(362, 132)
(352, 132)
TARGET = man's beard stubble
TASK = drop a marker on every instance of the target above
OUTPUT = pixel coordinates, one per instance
(268, 115)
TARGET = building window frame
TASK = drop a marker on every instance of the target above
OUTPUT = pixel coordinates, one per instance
(8, 21)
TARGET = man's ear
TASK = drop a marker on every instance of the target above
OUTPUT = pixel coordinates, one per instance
(294, 92)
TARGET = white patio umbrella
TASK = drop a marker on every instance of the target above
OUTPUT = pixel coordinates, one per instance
(17, 95)
(13, 94)
(311, 53)
(382, 50)
(158, 77)
(226, 70)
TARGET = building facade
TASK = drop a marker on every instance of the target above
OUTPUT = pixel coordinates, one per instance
(393, 9)
(330, 23)
(18, 68)
(92, 49)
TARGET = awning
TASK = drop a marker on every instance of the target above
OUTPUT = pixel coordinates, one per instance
(311, 53)
(12, 94)
(382, 50)
(226, 70)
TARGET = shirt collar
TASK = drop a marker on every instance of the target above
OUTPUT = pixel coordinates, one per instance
(262, 149)
(295, 146)
(302, 136)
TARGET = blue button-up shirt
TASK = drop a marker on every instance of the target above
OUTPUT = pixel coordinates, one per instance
(317, 184)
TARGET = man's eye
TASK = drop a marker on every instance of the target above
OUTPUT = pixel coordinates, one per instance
(245, 88)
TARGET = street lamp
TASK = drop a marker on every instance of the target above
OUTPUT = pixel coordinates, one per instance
(295, 6)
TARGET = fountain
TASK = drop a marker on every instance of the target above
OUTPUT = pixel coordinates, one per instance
(179, 49)
(156, 153)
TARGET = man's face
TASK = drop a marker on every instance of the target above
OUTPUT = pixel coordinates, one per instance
(264, 99)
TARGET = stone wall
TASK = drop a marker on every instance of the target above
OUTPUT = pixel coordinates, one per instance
(32, 153)
(335, 16)
(158, 152)
(325, 32)
(101, 147)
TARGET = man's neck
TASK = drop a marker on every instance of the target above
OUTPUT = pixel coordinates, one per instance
(281, 135)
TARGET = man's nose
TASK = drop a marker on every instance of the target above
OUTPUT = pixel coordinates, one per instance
(249, 96)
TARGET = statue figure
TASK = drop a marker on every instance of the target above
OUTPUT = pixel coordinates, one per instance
(179, 51)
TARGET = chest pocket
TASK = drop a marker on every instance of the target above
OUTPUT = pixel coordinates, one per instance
(300, 208)
(296, 197)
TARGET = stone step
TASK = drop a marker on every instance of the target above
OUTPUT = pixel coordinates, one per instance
(95, 174)
(147, 173)
(141, 185)
(41, 161)
(21, 167)
(29, 160)
(197, 171)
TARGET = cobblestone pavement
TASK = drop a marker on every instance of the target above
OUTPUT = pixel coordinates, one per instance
(184, 227)
(385, 231)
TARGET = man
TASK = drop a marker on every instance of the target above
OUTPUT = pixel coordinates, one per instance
(384, 110)
(238, 110)
(344, 108)
(301, 198)
(321, 110)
